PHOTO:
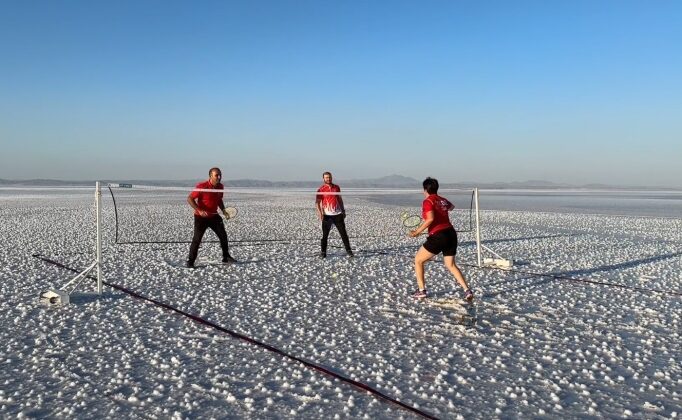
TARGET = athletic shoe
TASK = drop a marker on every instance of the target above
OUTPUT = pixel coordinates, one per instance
(229, 260)
(323, 255)
(189, 264)
(469, 295)
(419, 294)
(350, 253)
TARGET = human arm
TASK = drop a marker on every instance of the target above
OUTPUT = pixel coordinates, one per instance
(221, 205)
(318, 207)
(343, 208)
(192, 202)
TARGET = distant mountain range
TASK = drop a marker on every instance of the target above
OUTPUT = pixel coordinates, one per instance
(390, 181)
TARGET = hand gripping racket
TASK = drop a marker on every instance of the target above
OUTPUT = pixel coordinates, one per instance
(230, 213)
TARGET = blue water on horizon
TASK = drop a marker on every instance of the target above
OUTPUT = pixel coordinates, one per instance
(666, 204)
(622, 203)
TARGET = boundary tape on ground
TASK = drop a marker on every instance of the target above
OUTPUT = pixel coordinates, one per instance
(360, 385)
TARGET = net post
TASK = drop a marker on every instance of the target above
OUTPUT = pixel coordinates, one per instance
(61, 297)
(98, 245)
(478, 230)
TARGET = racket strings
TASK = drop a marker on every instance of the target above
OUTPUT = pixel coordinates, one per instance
(230, 212)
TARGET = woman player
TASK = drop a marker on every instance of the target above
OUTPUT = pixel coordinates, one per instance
(442, 238)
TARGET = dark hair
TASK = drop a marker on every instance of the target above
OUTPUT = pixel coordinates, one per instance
(326, 173)
(430, 185)
(214, 169)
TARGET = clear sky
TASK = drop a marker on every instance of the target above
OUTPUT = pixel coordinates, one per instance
(563, 91)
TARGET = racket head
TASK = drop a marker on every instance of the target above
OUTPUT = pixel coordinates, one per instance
(230, 213)
(412, 221)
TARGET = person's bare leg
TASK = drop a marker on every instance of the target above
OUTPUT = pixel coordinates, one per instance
(420, 258)
(451, 265)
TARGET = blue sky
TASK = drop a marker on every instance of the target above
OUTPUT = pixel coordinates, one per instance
(573, 92)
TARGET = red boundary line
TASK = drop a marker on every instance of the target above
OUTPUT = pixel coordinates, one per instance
(250, 340)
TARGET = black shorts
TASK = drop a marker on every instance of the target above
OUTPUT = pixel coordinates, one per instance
(444, 241)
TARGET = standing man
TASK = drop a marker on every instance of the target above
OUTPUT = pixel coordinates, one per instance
(330, 210)
(205, 205)
(442, 238)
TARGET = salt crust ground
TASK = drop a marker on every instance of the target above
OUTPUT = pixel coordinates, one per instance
(542, 347)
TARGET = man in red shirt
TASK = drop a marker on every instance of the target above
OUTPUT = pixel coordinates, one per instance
(205, 205)
(330, 210)
(442, 238)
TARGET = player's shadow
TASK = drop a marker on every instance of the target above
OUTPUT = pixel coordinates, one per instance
(534, 283)
(568, 275)
(526, 238)
(618, 266)
(84, 298)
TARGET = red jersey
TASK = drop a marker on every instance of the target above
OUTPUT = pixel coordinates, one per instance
(207, 201)
(440, 207)
(331, 204)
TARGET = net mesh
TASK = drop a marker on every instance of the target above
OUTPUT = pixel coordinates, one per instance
(162, 215)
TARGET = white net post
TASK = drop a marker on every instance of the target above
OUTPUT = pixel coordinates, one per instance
(98, 245)
(478, 230)
(61, 296)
